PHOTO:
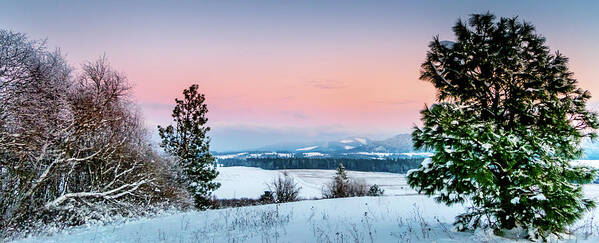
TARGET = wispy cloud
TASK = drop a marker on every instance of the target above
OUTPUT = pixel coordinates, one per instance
(300, 115)
(327, 84)
(286, 98)
(396, 102)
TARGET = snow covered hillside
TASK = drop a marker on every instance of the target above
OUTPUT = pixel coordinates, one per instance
(408, 218)
(402, 217)
(384, 219)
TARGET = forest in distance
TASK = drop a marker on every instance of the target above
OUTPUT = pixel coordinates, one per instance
(393, 165)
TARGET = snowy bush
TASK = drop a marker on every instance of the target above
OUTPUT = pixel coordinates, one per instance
(267, 197)
(375, 191)
(357, 188)
(284, 189)
(343, 186)
(72, 146)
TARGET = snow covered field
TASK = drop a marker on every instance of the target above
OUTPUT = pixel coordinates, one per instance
(398, 218)
(249, 182)
(408, 218)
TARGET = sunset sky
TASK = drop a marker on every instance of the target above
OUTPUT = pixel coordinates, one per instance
(287, 71)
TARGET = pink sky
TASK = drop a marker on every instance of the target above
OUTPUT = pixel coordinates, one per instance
(287, 71)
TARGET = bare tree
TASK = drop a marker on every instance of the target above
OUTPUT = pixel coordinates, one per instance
(284, 188)
(70, 147)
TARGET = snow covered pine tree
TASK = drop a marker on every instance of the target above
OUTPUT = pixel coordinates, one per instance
(188, 143)
(339, 187)
(508, 121)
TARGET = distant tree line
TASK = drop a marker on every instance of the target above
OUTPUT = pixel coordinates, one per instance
(394, 165)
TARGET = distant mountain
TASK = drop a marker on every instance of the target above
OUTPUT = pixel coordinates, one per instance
(348, 144)
(399, 146)
(289, 146)
(591, 149)
(401, 143)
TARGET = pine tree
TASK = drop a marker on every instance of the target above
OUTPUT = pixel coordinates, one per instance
(340, 173)
(188, 143)
(508, 121)
(341, 183)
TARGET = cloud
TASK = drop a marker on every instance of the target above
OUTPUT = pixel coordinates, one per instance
(397, 102)
(300, 115)
(286, 98)
(327, 84)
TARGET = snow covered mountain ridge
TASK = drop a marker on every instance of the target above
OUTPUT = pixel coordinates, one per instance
(399, 146)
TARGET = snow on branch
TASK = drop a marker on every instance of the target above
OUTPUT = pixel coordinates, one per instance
(110, 194)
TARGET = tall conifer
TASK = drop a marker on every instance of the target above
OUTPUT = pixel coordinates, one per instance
(508, 122)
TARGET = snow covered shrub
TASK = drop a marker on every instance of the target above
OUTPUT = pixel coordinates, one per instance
(234, 203)
(375, 191)
(343, 186)
(267, 197)
(357, 188)
(70, 145)
(189, 145)
(509, 121)
(284, 189)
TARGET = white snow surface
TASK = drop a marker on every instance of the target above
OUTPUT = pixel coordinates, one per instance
(423, 154)
(229, 156)
(249, 182)
(361, 140)
(379, 154)
(313, 154)
(408, 218)
(304, 221)
(307, 148)
(399, 218)
(590, 163)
